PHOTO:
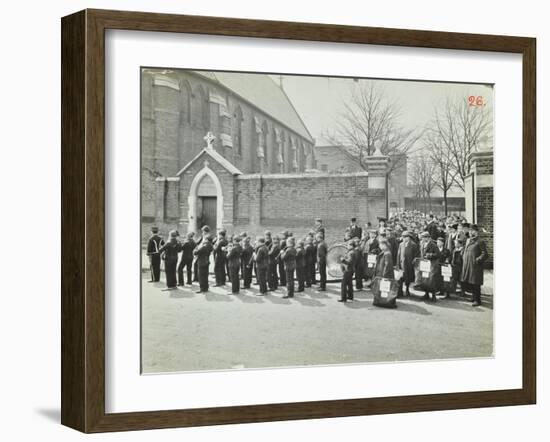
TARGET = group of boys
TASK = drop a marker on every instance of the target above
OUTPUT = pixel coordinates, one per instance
(279, 260)
(275, 260)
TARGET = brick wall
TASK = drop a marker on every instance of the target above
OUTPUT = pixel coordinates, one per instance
(484, 217)
(280, 202)
(482, 166)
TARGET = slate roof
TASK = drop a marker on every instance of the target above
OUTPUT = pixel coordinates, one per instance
(261, 91)
(226, 164)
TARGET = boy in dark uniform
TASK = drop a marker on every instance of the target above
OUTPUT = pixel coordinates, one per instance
(205, 232)
(186, 260)
(348, 265)
(202, 252)
(309, 261)
(288, 256)
(243, 235)
(219, 258)
(261, 258)
(282, 272)
(154, 244)
(456, 263)
(322, 251)
(246, 260)
(359, 265)
(234, 251)
(300, 266)
(273, 259)
(171, 250)
(319, 227)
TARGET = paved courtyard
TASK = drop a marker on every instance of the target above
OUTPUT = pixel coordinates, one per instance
(183, 330)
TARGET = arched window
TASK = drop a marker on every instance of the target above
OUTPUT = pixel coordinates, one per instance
(238, 131)
(301, 157)
(265, 145)
(185, 102)
(201, 112)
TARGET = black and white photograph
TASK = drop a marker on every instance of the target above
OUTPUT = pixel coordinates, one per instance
(294, 220)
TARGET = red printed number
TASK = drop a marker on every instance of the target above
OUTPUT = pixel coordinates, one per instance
(474, 100)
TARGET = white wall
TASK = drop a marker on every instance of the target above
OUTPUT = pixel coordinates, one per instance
(30, 183)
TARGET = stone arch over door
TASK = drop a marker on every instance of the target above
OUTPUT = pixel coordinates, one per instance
(193, 197)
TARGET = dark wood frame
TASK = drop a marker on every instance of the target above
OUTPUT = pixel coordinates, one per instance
(83, 217)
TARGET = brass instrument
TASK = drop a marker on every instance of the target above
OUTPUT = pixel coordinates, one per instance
(335, 254)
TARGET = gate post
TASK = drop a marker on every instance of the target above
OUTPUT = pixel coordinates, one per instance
(377, 195)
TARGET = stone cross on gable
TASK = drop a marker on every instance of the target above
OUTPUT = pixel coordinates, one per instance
(209, 138)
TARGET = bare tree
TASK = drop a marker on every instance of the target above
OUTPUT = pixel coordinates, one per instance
(462, 128)
(370, 120)
(442, 159)
(423, 175)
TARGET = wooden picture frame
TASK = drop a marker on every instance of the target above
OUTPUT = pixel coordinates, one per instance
(83, 220)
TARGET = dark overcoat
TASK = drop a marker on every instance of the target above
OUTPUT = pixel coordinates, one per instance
(234, 257)
(430, 251)
(475, 254)
(406, 254)
(262, 257)
(384, 265)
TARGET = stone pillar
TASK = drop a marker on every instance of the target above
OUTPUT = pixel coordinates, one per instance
(481, 166)
(377, 195)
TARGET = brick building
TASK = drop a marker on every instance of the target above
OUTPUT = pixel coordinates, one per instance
(258, 170)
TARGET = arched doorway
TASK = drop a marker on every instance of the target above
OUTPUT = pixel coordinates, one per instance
(205, 201)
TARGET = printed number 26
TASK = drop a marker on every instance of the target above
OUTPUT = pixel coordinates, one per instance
(476, 100)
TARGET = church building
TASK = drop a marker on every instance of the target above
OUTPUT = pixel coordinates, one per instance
(229, 150)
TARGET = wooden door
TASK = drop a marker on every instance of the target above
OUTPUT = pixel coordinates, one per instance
(209, 212)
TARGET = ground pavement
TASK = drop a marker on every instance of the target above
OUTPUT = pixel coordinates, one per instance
(183, 330)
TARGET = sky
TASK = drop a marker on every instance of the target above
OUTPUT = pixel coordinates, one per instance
(319, 100)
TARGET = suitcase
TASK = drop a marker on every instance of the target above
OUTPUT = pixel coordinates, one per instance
(370, 265)
(448, 283)
(385, 292)
(425, 279)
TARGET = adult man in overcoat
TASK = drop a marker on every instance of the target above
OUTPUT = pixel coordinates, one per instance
(429, 250)
(474, 256)
(406, 254)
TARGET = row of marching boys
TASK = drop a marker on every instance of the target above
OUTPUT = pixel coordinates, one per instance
(274, 260)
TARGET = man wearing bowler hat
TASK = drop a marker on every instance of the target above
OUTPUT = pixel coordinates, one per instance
(474, 256)
(354, 230)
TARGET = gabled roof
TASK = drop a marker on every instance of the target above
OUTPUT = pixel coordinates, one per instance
(226, 164)
(261, 91)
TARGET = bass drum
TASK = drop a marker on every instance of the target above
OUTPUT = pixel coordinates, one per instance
(334, 255)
